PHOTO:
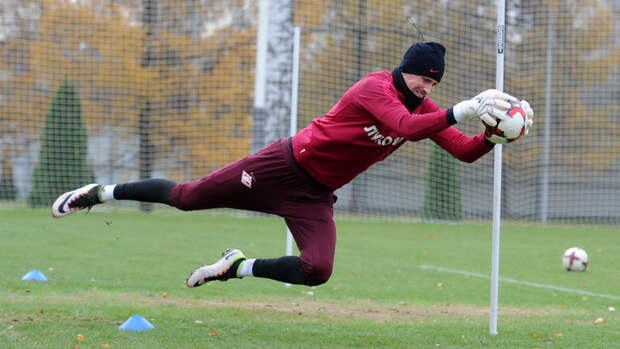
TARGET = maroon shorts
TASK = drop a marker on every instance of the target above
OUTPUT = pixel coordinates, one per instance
(272, 181)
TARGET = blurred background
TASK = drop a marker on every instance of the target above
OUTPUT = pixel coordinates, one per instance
(119, 90)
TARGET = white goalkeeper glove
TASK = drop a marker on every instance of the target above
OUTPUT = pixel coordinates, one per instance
(497, 94)
(487, 106)
(529, 115)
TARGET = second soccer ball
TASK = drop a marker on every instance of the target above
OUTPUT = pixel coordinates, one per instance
(575, 259)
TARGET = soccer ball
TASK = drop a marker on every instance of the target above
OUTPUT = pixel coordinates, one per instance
(509, 129)
(575, 259)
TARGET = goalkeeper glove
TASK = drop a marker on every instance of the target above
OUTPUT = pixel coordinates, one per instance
(529, 115)
(487, 106)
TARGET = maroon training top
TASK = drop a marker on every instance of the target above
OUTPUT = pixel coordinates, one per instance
(368, 123)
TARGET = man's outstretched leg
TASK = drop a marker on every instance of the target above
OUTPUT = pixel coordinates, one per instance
(150, 190)
(234, 264)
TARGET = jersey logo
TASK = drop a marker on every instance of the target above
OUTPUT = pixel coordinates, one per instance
(246, 179)
(375, 136)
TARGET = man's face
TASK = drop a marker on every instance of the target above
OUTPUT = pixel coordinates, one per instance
(420, 85)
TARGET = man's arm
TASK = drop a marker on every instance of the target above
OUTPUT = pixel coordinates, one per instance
(462, 147)
(382, 102)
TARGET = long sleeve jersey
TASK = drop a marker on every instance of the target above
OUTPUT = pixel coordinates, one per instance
(369, 123)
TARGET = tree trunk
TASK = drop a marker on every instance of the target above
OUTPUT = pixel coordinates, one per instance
(271, 122)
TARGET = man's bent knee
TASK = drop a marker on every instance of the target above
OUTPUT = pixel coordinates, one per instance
(317, 274)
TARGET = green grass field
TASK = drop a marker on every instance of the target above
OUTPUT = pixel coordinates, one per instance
(387, 289)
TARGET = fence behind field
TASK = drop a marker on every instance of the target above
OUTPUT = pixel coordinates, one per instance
(166, 88)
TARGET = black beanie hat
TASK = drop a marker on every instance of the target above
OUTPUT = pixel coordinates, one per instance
(424, 58)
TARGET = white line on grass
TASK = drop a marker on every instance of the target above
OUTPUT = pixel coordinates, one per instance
(520, 282)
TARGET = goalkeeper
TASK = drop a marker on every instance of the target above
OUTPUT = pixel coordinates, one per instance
(296, 177)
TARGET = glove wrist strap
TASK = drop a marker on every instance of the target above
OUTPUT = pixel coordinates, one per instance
(450, 116)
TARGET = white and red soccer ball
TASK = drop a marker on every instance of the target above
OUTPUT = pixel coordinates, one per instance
(511, 128)
(575, 259)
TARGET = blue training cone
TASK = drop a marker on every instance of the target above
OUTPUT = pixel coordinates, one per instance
(136, 323)
(34, 275)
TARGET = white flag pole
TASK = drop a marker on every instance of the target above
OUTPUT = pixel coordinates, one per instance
(497, 171)
(293, 125)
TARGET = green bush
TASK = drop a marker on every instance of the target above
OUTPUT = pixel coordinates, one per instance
(442, 192)
(64, 147)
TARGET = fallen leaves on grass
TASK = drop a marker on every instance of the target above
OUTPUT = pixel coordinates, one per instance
(80, 337)
(559, 335)
(535, 335)
(213, 333)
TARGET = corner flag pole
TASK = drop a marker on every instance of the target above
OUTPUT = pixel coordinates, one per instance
(497, 171)
(293, 125)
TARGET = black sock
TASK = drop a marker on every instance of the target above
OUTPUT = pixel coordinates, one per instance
(149, 190)
(285, 269)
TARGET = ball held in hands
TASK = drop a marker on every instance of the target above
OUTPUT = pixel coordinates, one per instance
(510, 125)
